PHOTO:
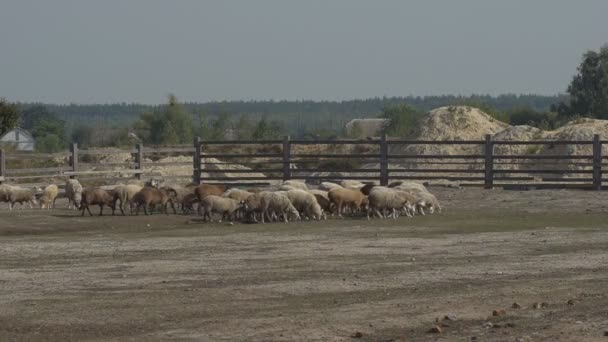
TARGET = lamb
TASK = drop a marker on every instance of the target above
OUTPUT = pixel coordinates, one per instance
(148, 196)
(296, 184)
(49, 196)
(306, 204)
(344, 196)
(181, 191)
(381, 199)
(221, 205)
(329, 185)
(73, 192)
(124, 194)
(98, 197)
(285, 187)
(19, 195)
(427, 201)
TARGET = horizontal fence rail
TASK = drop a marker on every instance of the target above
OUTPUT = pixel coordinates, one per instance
(484, 162)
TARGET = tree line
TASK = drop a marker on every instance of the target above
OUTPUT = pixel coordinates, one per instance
(176, 123)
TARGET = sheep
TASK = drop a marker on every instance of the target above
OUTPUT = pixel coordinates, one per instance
(323, 199)
(209, 189)
(381, 199)
(124, 193)
(5, 191)
(351, 184)
(148, 196)
(305, 203)
(73, 192)
(329, 185)
(427, 201)
(270, 204)
(181, 191)
(237, 194)
(296, 184)
(49, 196)
(15, 194)
(96, 196)
(344, 196)
(221, 205)
(408, 186)
(277, 204)
(286, 187)
(188, 203)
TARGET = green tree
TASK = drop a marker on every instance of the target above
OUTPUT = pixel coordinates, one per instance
(83, 135)
(265, 130)
(402, 119)
(46, 128)
(244, 128)
(589, 88)
(220, 126)
(171, 124)
(9, 116)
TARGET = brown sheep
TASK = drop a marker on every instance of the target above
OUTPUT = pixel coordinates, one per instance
(149, 196)
(188, 203)
(98, 197)
(344, 196)
(205, 190)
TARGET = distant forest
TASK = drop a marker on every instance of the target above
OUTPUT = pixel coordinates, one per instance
(297, 117)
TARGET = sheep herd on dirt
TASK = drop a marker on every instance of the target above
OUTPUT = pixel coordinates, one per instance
(292, 200)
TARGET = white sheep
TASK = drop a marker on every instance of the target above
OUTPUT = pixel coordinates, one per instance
(221, 205)
(351, 184)
(286, 187)
(306, 203)
(329, 185)
(73, 192)
(381, 199)
(20, 195)
(296, 184)
(237, 194)
(5, 191)
(123, 194)
(408, 186)
(49, 196)
(278, 205)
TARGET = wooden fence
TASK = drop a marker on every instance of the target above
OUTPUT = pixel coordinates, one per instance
(379, 160)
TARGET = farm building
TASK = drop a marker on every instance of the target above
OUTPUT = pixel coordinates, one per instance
(363, 128)
(20, 138)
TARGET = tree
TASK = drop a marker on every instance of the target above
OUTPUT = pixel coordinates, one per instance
(45, 127)
(9, 116)
(267, 130)
(244, 128)
(171, 124)
(402, 119)
(589, 88)
(83, 135)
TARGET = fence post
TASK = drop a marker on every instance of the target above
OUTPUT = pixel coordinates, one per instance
(74, 158)
(383, 160)
(139, 159)
(597, 162)
(2, 165)
(489, 162)
(196, 160)
(286, 158)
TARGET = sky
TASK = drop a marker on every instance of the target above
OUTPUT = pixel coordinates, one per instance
(94, 51)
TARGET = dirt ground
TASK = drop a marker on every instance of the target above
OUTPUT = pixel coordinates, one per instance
(63, 277)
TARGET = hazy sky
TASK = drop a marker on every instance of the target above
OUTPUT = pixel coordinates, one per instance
(101, 51)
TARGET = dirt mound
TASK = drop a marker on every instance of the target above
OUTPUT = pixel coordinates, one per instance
(515, 133)
(452, 123)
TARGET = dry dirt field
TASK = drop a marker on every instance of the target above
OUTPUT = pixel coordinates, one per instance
(63, 277)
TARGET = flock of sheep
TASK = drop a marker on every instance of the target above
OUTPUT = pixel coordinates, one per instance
(293, 200)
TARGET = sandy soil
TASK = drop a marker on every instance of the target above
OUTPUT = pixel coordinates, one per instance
(63, 277)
